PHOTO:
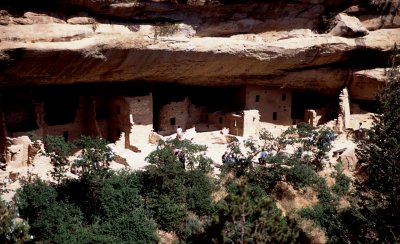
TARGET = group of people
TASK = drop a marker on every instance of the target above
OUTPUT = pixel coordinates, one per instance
(229, 158)
(232, 159)
(181, 156)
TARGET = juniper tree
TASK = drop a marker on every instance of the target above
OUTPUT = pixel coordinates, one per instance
(381, 157)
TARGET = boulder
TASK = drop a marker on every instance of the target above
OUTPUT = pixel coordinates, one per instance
(5, 17)
(348, 26)
(154, 138)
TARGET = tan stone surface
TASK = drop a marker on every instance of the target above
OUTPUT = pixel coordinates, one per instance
(366, 83)
(113, 52)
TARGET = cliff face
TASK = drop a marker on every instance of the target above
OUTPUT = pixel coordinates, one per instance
(308, 44)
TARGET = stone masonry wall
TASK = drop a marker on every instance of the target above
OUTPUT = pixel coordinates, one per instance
(251, 122)
(141, 118)
(273, 104)
(235, 123)
(173, 115)
(119, 126)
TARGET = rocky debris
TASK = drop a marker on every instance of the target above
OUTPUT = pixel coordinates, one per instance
(81, 21)
(154, 138)
(121, 160)
(5, 17)
(377, 14)
(349, 159)
(30, 18)
(348, 26)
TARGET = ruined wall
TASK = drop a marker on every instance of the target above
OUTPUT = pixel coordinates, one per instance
(103, 111)
(140, 117)
(235, 124)
(315, 116)
(70, 131)
(173, 115)
(218, 119)
(246, 123)
(119, 126)
(251, 122)
(196, 115)
(17, 151)
(273, 104)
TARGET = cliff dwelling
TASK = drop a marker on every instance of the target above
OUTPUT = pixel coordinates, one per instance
(127, 114)
(122, 71)
(156, 121)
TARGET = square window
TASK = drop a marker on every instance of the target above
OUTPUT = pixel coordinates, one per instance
(65, 135)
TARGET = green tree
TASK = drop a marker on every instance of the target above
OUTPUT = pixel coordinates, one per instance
(247, 215)
(95, 156)
(12, 228)
(58, 150)
(379, 157)
(92, 209)
(174, 188)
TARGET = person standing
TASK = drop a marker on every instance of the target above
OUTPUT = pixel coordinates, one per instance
(179, 133)
(263, 155)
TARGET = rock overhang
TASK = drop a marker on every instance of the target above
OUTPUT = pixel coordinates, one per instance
(62, 53)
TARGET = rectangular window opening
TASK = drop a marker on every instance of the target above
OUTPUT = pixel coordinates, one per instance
(172, 121)
(221, 120)
(283, 96)
(274, 115)
(257, 98)
(66, 135)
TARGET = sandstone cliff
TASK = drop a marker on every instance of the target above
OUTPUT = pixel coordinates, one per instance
(309, 44)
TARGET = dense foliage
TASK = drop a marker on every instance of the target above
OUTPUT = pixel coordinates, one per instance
(378, 207)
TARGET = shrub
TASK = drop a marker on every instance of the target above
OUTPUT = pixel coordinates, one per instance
(89, 209)
(33, 198)
(96, 154)
(165, 29)
(246, 215)
(304, 129)
(301, 176)
(12, 230)
(342, 181)
(57, 145)
(58, 150)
